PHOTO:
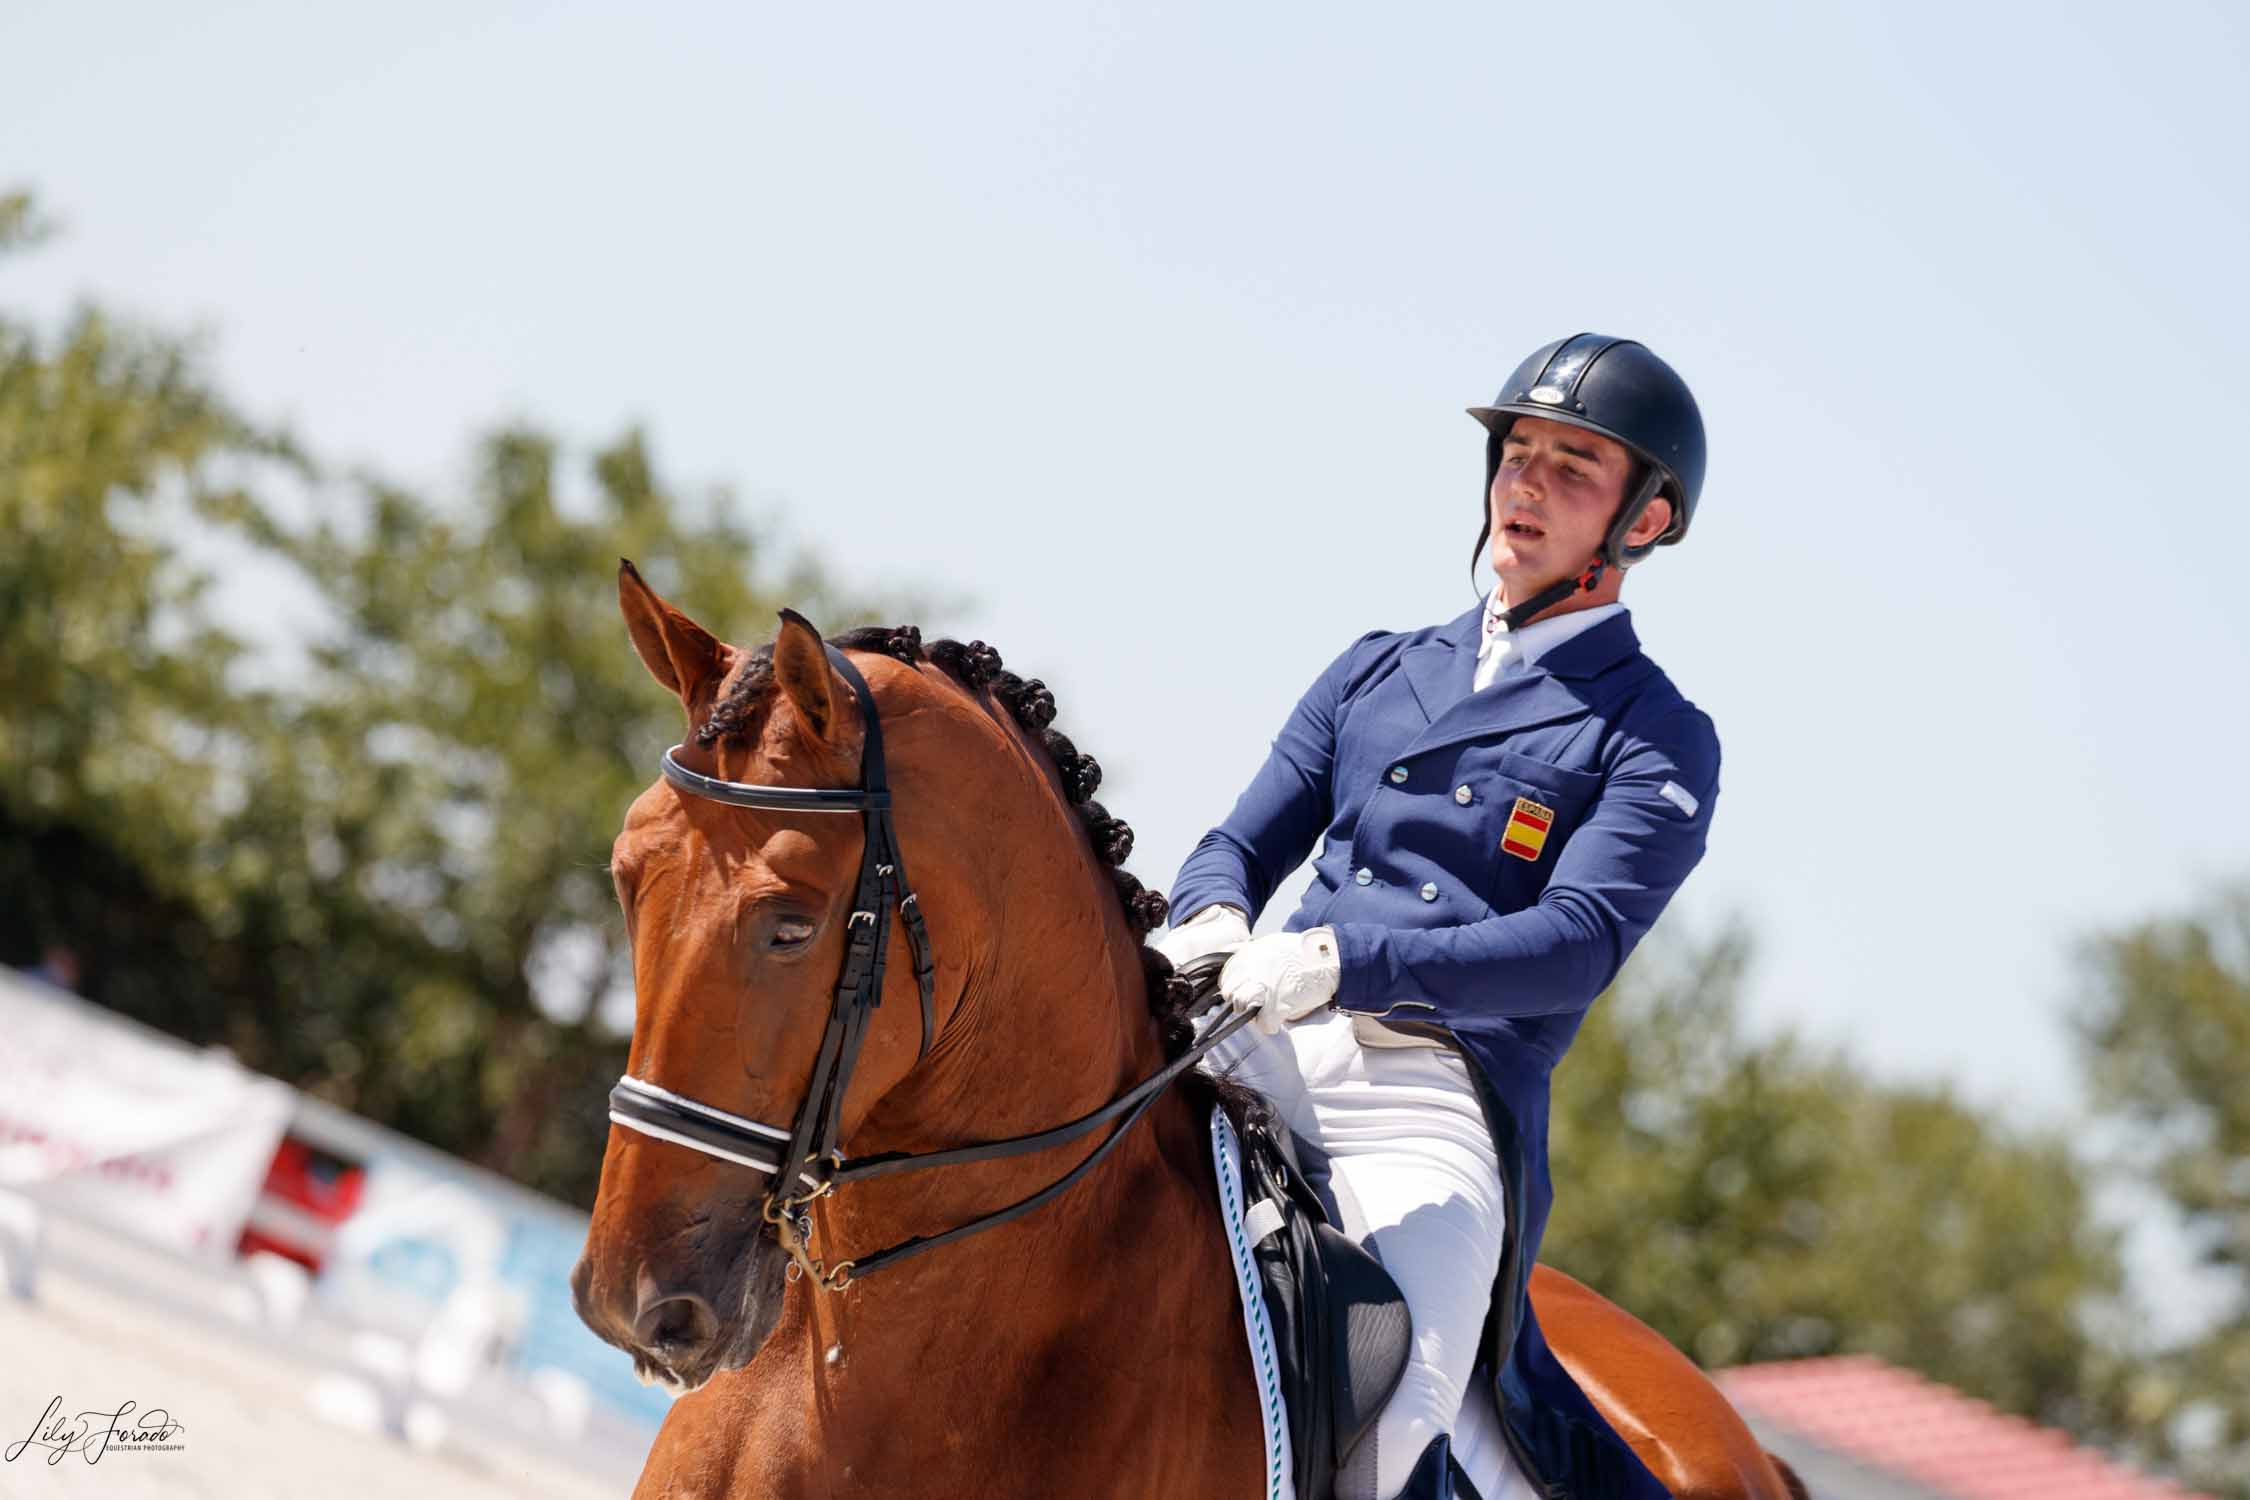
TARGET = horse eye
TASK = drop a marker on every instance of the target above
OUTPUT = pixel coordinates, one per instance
(793, 932)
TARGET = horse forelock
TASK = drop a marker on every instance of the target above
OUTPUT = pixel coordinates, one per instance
(741, 699)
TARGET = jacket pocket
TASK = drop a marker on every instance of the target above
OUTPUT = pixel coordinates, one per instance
(1574, 787)
(1529, 808)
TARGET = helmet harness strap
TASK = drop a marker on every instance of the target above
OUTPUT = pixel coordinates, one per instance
(1520, 615)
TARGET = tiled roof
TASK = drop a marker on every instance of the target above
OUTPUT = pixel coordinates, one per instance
(1893, 1419)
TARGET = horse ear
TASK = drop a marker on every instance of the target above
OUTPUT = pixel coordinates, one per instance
(800, 666)
(677, 652)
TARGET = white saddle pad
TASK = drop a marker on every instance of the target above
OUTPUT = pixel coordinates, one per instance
(1477, 1443)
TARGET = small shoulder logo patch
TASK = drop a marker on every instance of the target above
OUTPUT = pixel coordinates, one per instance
(1526, 833)
(1679, 796)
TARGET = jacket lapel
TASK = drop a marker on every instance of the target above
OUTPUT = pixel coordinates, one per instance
(1558, 686)
(1441, 669)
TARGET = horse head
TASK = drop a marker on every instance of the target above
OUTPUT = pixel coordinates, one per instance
(740, 919)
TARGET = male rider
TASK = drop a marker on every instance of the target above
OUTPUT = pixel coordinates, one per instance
(1504, 805)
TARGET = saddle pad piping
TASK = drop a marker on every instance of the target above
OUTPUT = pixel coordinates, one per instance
(1225, 1156)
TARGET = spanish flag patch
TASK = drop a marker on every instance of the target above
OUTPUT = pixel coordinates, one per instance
(1526, 833)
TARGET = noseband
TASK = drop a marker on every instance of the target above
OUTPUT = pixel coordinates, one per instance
(805, 1161)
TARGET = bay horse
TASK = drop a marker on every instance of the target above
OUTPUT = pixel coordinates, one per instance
(1092, 1347)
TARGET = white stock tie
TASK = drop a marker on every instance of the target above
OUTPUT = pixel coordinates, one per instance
(1497, 652)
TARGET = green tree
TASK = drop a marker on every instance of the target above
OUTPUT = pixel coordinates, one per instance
(371, 861)
(118, 712)
(2165, 1034)
(1753, 1199)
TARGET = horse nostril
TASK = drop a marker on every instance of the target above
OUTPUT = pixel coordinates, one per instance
(678, 1324)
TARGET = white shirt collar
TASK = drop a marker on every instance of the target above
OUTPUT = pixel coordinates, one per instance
(1500, 646)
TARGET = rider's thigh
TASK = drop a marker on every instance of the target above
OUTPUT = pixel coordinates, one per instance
(1404, 1133)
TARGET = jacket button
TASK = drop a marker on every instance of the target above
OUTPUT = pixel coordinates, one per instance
(1365, 876)
(1398, 775)
(1429, 890)
(1463, 795)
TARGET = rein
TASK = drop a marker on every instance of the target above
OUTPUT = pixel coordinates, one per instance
(805, 1160)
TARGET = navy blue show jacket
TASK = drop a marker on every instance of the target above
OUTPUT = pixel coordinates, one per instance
(1454, 908)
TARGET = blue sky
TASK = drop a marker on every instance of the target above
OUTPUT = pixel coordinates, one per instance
(1149, 328)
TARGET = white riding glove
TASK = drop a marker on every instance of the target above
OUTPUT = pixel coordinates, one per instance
(1211, 930)
(1282, 977)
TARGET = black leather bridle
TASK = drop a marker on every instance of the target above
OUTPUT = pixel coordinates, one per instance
(806, 1161)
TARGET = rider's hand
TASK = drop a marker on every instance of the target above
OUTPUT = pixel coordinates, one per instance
(1211, 930)
(1282, 976)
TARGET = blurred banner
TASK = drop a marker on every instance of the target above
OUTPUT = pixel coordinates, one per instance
(467, 1262)
(108, 1120)
(113, 1122)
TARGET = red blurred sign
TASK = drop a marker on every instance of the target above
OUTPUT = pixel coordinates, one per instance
(308, 1193)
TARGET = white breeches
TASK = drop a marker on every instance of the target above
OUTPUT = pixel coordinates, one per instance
(1411, 1161)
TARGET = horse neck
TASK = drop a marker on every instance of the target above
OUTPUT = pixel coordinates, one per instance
(1048, 1030)
(1124, 1273)
(1053, 1019)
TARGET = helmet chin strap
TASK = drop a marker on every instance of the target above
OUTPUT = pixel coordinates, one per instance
(1519, 615)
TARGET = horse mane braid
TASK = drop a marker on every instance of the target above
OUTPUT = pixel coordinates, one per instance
(731, 715)
(977, 667)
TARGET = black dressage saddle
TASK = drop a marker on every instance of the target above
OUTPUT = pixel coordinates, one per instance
(1340, 1325)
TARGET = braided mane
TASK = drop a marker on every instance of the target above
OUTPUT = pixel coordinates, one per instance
(977, 667)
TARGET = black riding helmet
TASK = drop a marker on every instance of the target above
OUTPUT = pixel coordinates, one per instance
(1617, 388)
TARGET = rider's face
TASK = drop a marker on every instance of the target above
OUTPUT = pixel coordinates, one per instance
(1552, 500)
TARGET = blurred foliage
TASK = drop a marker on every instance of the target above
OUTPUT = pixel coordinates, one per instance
(1753, 1200)
(2165, 1032)
(120, 723)
(385, 882)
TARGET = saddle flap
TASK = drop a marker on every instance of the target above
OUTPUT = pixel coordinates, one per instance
(1371, 1330)
(1342, 1333)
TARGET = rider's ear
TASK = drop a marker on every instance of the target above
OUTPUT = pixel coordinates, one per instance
(800, 665)
(1654, 522)
(677, 652)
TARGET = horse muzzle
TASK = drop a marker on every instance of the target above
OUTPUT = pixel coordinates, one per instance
(685, 1318)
